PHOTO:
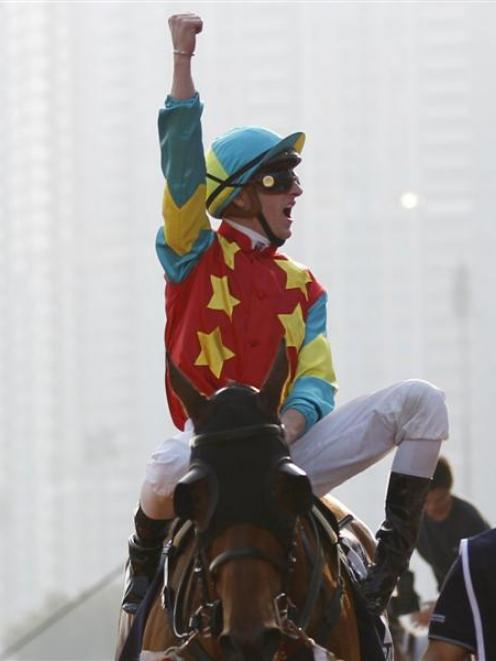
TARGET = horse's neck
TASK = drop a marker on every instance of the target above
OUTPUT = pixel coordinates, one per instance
(343, 638)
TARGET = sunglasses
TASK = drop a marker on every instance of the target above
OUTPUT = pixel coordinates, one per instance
(279, 181)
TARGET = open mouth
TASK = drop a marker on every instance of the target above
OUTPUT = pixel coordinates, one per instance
(287, 211)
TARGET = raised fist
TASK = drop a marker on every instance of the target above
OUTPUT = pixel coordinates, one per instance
(183, 29)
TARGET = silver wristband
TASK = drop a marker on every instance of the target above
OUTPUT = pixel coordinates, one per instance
(176, 51)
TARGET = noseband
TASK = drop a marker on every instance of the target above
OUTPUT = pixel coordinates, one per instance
(245, 552)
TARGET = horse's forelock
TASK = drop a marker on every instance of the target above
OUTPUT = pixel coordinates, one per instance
(243, 465)
(236, 405)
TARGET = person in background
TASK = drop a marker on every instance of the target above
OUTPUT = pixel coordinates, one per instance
(447, 520)
(463, 619)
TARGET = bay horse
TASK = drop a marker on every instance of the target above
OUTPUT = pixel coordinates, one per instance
(254, 568)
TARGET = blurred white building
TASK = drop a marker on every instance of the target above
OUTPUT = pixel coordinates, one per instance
(410, 238)
(82, 305)
(398, 103)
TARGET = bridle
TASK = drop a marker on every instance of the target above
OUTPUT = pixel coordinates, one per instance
(283, 566)
(245, 552)
(239, 434)
(207, 620)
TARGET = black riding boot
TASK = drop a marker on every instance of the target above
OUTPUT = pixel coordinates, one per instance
(145, 549)
(396, 538)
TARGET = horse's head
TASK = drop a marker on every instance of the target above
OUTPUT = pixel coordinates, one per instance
(244, 495)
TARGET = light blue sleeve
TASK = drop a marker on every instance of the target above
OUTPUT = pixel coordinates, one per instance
(186, 232)
(313, 390)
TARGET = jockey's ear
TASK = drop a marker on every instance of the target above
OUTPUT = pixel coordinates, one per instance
(193, 401)
(271, 391)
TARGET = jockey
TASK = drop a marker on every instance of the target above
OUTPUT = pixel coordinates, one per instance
(231, 296)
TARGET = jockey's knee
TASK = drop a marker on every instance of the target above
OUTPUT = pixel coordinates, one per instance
(424, 414)
(165, 468)
(156, 504)
(423, 396)
(422, 424)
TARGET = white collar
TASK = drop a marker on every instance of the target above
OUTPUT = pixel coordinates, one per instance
(258, 241)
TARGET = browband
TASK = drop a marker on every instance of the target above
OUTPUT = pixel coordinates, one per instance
(239, 433)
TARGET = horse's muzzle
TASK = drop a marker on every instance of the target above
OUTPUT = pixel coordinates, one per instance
(262, 648)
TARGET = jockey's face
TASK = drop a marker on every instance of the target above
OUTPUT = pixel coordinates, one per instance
(438, 504)
(276, 205)
(278, 209)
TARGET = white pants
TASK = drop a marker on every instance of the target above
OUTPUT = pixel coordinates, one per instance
(345, 442)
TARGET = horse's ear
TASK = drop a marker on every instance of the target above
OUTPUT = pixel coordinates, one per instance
(271, 391)
(193, 401)
(195, 496)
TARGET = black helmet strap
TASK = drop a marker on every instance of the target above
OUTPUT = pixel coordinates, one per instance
(275, 240)
(257, 210)
(231, 180)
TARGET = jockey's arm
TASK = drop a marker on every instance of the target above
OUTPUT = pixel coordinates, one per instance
(183, 29)
(311, 395)
(440, 650)
(186, 232)
(294, 425)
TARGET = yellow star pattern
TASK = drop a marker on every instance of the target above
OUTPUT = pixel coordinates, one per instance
(221, 297)
(294, 327)
(296, 276)
(213, 353)
(229, 248)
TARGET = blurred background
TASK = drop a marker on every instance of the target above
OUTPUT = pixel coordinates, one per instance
(398, 102)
